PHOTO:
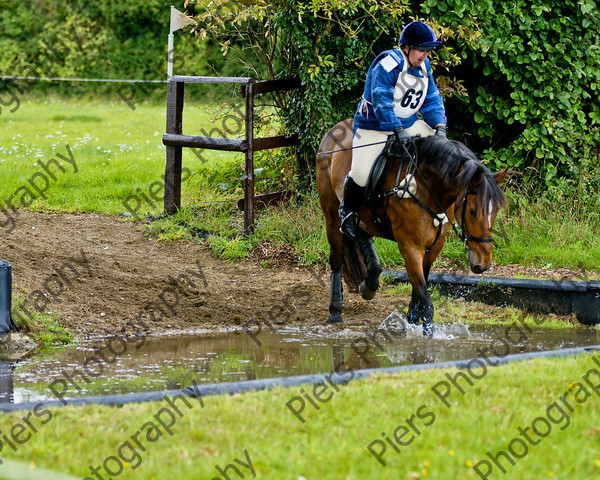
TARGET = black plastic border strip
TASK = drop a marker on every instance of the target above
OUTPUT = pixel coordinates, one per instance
(578, 286)
(562, 297)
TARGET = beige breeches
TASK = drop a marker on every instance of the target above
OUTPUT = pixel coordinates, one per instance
(363, 158)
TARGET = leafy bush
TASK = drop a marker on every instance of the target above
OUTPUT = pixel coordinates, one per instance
(535, 107)
(527, 72)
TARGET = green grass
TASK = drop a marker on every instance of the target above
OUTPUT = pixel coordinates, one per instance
(116, 150)
(545, 234)
(331, 444)
(44, 327)
(450, 310)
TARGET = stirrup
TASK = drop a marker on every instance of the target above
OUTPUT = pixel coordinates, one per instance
(350, 224)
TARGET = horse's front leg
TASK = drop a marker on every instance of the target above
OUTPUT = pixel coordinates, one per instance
(420, 309)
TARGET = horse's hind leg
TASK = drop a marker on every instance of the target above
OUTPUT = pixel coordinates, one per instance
(336, 297)
(334, 237)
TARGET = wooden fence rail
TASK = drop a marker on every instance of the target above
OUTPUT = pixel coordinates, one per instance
(175, 140)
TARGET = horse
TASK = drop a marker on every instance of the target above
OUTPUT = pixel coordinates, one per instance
(451, 185)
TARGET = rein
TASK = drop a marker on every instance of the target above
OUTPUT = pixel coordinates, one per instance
(401, 191)
(351, 148)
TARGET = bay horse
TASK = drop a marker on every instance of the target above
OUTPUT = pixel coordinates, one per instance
(451, 184)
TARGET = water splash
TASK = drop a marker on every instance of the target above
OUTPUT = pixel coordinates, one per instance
(397, 322)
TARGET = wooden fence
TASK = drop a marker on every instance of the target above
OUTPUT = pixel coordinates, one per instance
(175, 140)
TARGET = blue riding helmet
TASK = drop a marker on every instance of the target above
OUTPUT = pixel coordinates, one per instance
(419, 35)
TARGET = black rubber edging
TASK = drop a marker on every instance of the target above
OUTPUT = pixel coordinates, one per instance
(267, 383)
(562, 297)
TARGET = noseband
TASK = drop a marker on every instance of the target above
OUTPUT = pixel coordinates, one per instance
(464, 234)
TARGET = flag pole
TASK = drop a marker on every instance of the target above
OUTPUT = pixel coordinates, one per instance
(170, 48)
(170, 57)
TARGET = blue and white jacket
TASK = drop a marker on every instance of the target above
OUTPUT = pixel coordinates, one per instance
(394, 93)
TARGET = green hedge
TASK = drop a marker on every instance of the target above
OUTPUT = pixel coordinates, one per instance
(533, 76)
(82, 39)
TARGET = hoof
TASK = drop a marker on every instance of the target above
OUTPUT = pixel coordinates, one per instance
(334, 318)
(365, 291)
(372, 282)
(412, 316)
(428, 329)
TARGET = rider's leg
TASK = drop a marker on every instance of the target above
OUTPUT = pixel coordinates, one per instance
(363, 159)
(353, 198)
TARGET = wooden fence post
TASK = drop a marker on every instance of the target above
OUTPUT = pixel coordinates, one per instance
(249, 175)
(172, 199)
(175, 140)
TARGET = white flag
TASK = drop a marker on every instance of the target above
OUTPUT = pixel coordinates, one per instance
(178, 20)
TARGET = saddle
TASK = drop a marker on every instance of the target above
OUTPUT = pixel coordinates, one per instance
(379, 172)
(405, 188)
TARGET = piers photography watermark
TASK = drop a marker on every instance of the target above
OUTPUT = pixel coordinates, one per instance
(231, 124)
(557, 414)
(452, 386)
(74, 379)
(40, 415)
(128, 93)
(53, 286)
(130, 451)
(226, 472)
(53, 53)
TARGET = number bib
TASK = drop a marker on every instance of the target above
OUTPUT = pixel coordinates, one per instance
(410, 92)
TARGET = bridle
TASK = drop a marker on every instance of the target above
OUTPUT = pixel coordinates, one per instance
(464, 234)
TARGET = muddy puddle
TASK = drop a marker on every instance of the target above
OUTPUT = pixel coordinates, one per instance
(162, 363)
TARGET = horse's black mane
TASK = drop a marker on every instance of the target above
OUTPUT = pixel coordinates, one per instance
(456, 163)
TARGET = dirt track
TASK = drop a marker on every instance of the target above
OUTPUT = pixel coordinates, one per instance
(105, 277)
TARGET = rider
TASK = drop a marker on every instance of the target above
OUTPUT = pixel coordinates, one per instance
(399, 84)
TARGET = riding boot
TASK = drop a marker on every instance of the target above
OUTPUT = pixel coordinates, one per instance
(353, 198)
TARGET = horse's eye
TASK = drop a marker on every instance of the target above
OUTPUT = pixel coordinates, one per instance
(473, 213)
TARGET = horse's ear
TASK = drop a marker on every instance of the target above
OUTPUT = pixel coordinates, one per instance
(500, 176)
(476, 179)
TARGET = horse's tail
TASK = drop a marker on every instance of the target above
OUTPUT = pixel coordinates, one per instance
(355, 269)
